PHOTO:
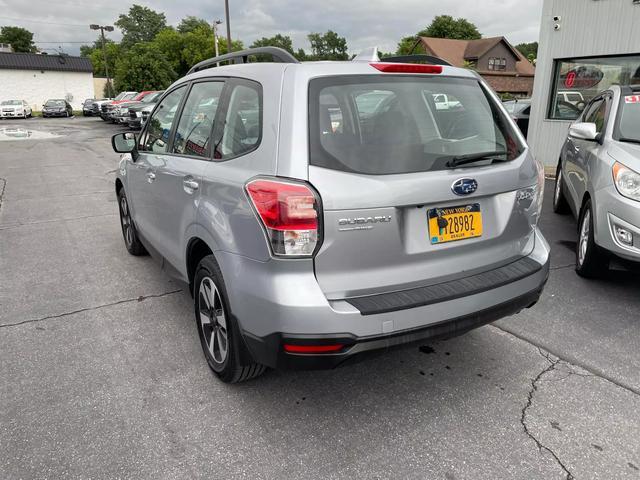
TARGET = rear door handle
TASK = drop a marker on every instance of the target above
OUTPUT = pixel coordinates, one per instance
(190, 185)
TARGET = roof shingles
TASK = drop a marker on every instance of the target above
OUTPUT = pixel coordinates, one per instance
(34, 61)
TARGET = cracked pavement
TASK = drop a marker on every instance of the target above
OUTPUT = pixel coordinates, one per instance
(101, 373)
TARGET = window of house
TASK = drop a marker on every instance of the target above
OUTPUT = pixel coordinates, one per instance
(576, 81)
(497, 63)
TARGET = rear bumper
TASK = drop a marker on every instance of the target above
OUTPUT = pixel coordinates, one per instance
(269, 350)
(280, 300)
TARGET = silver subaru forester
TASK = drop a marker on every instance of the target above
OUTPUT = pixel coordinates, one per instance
(322, 210)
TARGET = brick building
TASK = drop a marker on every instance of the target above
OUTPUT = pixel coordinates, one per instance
(501, 64)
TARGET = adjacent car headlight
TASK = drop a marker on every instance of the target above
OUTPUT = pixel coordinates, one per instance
(627, 181)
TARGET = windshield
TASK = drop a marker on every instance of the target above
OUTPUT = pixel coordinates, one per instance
(515, 107)
(129, 96)
(12, 102)
(151, 97)
(89, 101)
(120, 96)
(382, 124)
(628, 126)
(54, 103)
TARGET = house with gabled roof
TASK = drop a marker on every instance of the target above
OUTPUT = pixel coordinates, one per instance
(499, 62)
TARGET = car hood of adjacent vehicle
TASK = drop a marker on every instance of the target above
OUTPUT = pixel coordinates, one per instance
(626, 153)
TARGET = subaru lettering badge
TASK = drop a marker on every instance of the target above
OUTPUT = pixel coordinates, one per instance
(464, 186)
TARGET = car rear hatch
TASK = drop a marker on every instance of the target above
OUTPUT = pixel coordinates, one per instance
(397, 212)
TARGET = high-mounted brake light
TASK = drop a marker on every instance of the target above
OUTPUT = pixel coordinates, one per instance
(406, 68)
(289, 213)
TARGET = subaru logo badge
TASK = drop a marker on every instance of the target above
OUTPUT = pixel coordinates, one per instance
(464, 186)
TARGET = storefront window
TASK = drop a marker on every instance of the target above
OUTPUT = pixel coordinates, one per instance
(577, 81)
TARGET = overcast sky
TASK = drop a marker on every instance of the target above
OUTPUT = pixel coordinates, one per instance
(363, 22)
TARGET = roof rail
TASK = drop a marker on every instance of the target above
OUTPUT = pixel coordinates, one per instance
(415, 58)
(242, 56)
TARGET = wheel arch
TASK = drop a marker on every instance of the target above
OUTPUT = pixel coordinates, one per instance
(197, 249)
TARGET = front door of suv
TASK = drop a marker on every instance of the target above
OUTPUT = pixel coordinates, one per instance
(153, 151)
(179, 175)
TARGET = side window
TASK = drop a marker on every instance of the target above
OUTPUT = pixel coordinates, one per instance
(156, 137)
(196, 122)
(243, 123)
(596, 113)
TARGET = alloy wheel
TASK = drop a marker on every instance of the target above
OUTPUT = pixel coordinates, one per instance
(213, 321)
(125, 219)
(583, 244)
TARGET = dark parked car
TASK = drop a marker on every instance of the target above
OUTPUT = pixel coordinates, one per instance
(57, 108)
(520, 109)
(86, 107)
(138, 112)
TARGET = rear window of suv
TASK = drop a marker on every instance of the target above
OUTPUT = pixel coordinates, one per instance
(394, 124)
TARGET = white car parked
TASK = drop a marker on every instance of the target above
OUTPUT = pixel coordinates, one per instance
(15, 109)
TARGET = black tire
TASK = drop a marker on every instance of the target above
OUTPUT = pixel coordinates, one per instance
(211, 309)
(560, 204)
(591, 260)
(129, 232)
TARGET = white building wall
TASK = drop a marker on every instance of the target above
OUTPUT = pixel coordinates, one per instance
(36, 87)
(587, 28)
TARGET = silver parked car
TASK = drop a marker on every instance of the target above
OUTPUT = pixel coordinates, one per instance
(322, 210)
(598, 179)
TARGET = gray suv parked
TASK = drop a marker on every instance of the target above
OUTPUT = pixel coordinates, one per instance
(322, 210)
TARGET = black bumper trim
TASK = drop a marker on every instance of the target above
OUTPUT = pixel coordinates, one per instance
(269, 351)
(443, 292)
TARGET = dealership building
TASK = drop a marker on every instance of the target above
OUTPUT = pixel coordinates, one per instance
(585, 47)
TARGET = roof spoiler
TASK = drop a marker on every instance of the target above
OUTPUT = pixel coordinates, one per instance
(371, 55)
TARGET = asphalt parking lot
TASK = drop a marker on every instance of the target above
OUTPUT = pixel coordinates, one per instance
(102, 376)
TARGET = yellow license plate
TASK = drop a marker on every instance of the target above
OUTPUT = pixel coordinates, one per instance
(455, 223)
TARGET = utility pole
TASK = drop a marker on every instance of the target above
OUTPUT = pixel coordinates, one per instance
(226, 12)
(215, 35)
(102, 28)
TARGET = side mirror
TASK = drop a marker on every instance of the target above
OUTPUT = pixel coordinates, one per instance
(583, 131)
(124, 142)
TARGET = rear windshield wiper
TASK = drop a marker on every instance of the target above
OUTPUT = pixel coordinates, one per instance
(476, 157)
(630, 140)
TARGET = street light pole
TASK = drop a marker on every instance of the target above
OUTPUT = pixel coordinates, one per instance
(215, 35)
(226, 12)
(102, 28)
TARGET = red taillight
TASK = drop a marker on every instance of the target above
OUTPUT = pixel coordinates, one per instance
(313, 348)
(289, 213)
(406, 68)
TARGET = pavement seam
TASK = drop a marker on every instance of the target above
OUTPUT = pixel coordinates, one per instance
(560, 267)
(55, 220)
(3, 184)
(574, 362)
(141, 298)
(523, 415)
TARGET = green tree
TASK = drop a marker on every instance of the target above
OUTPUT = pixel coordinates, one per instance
(141, 24)
(143, 67)
(20, 39)
(529, 50)
(407, 44)
(96, 55)
(189, 24)
(183, 50)
(278, 40)
(445, 26)
(328, 46)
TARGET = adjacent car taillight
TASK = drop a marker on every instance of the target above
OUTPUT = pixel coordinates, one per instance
(290, 213)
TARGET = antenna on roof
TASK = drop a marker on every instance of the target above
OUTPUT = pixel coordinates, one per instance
(368, 55)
